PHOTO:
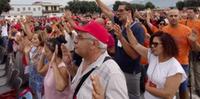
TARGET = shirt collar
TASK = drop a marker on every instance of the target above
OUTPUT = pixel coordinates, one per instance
(95, 64)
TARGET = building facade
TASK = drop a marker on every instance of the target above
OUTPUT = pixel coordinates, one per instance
(37, 9)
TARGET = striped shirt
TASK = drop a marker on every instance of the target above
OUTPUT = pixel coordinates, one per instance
(111, 78)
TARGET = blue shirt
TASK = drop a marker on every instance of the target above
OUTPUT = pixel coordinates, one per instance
(125, 62)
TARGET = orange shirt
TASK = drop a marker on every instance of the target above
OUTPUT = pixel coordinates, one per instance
(193, 24)
(154, 29)
(146, 44)
(180, 34)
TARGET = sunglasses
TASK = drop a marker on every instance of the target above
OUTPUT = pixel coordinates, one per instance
(120, 10)
(162, 24)
(154, 44)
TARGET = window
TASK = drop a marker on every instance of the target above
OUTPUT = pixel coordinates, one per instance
(39, 9)
(34, 9)
(46, 8)
(29, 8)
(24, 8)
(18, 9)
(12, 8)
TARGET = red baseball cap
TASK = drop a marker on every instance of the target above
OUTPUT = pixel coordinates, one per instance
(96, 30)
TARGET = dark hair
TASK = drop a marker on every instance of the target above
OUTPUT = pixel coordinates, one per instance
(48, 29)
(193, 9)
(51, 44)
(170, 47)
(88, 15)
(128, 7)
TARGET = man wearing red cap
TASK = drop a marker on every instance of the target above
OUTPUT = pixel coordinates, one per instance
(90, 44)
(125, 56)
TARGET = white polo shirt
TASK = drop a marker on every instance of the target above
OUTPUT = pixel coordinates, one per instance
(4, 30)
(111, 78)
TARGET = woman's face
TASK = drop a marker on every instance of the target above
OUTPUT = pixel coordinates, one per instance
(35, 40)
(156, 47)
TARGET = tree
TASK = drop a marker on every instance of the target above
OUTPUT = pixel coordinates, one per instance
(83, 6)
(116, 5)
(180, 5)
(4, 6)
(149, 5)
(138, 6)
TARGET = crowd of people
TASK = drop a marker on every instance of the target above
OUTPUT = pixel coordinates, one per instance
(123, 54)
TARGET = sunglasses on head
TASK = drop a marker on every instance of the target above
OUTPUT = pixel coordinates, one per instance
(161, 23)
(154, 44)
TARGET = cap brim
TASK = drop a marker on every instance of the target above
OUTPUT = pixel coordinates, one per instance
(81, 28)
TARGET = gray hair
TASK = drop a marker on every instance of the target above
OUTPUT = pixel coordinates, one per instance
(101, 46)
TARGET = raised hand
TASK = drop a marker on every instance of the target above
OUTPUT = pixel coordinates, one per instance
(118, 31)
(54, 56)
(128, 21)
(193, 36)
(67, 58)
(27, 48)
(98, 92)
(68, 14)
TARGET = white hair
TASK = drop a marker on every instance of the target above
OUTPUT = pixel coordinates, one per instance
(101, 46)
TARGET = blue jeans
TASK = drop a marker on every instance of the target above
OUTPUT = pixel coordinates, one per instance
(184, 85)
(5, 41)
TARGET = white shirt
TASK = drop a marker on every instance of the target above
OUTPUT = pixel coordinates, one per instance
(111, 78)
(4, 30)
(158, 72)
(70, 40)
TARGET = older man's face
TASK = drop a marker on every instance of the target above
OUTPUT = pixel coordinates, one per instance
(82, 44)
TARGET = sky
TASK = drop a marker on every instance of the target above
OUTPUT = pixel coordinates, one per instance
(160, 3)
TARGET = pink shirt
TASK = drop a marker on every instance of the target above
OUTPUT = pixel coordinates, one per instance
(50, 91)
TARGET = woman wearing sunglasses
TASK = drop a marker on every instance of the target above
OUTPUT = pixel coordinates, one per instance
(164, 72)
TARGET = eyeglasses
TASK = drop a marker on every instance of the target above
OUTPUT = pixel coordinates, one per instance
(154, 44)
(120, 10)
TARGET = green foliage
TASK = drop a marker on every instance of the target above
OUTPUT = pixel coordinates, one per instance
(83, 6)
(138, 6)
(149, 5)
(116, 5)
(4, 6)
(135, 6)
(181, 4)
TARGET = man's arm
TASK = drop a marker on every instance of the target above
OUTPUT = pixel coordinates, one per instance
(125, 44)
(105, 9)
